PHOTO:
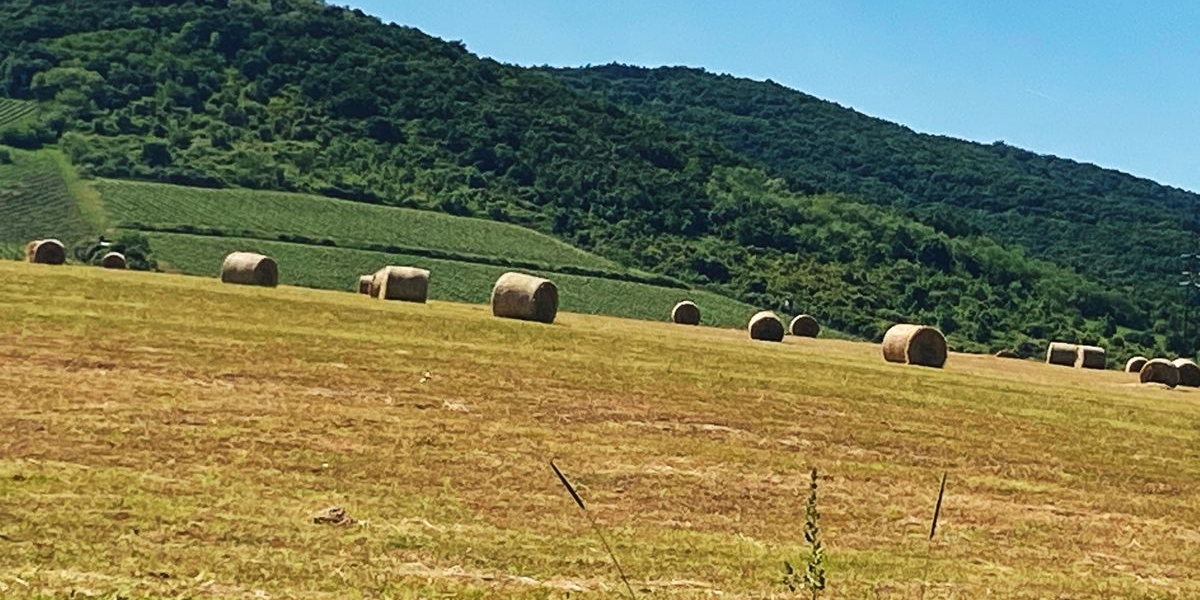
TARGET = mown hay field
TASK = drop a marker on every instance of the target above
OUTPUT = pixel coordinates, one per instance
(339, 268)
(169, 436)
(343, 221)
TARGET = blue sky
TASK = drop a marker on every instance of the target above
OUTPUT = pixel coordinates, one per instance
(1112, 83)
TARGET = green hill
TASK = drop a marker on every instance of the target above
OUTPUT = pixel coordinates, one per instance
(327, 243)
(1116, 228)
(466, 255)
(300, 96)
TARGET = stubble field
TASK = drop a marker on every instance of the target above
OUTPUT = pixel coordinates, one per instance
(168, 436)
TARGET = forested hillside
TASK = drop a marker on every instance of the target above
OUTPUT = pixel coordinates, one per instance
(295, 95)
(1114, 227)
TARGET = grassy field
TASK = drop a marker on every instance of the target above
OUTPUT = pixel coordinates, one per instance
(35, 202)
(13, 111)
(339, 268)
(345, 222)
(164, 436)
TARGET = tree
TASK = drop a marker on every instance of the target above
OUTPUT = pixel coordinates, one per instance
(156, 153)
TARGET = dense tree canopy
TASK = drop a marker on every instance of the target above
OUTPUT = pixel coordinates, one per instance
(1118, 229)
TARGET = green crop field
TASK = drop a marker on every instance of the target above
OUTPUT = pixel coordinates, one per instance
(339, 268)
(37, 193)
(12, 111)
(348, 223)
(35, 202)
(164, 436)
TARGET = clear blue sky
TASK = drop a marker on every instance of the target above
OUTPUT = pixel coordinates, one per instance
(1112, 83)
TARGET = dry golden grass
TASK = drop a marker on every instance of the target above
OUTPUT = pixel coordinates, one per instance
(165, 436)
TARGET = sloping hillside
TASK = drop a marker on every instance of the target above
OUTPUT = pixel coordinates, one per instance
(327, 243)
(296, 95)
(248, 213)
(322, 242)
(1119, 229)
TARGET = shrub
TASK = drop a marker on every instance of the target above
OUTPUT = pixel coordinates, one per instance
(813, 577)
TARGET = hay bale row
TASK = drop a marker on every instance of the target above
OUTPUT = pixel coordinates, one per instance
(248, 268)
(514, 296)
(525, 297)
(46, 252)
(915, 345)
(53, 252)
(1171, 373)
(1076, 355)
(761, 326)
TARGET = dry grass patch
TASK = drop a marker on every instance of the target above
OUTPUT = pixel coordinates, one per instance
(179, 445)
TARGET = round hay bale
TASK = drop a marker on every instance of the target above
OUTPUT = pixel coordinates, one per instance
(686, 313)
(1061, 353)
(1135, 364)
(407, 284)
(1159, 370)
(525, 297)
(1090, 357)
(46, 252)
(248, 268)
(1007, 354)
(766, 326)
(915, 345)
(1189, 372)
(804, 326)
(364, 284)
(114, 260)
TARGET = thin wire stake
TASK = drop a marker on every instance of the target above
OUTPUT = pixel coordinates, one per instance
(938, 509)
(595, 527)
